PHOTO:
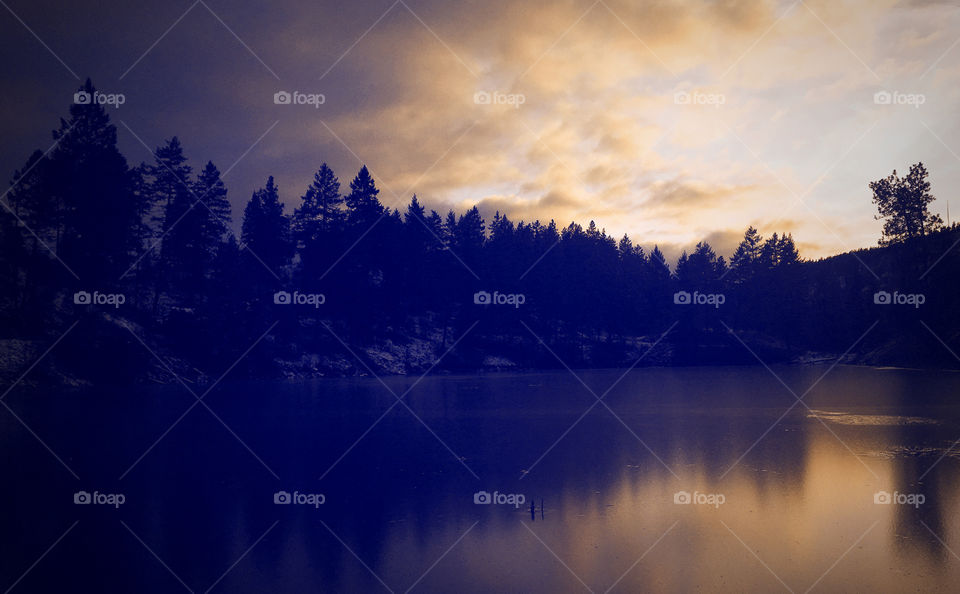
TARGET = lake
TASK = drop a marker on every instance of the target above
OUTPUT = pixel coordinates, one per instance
(681, 480)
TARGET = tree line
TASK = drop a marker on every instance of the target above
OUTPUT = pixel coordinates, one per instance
(80, 218)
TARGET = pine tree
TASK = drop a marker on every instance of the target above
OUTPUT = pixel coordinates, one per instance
(209, 188)
(625, 247)
(903, 205)
(747, 255)
(501, 229)
(90, 189)
(363, 206)
(436, 225)
(415, 211)
(789, 255)
(450, 229)
(680, 271)
(469, 237)
(592, 231)
(170, 169)
(265, 233)
(182, 261)
(770, 253)
(320, 209)
(657, 267)
(700, 268)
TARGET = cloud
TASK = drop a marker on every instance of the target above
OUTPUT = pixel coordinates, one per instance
(598, 135)
(678, 194)
(554, 205)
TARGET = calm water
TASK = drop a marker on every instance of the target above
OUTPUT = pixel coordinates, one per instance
(793, 511)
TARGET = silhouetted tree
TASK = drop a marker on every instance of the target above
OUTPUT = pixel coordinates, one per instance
(657, 268)
(195, 222)
(789, 255)
(903, 205)
(320, 209)
(363, 206)
(746, 258)
(770, 253)
(398, 285)
(87, 181)
(265, 234)
(701, 268)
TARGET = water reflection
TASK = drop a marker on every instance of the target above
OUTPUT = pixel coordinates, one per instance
(797, 508)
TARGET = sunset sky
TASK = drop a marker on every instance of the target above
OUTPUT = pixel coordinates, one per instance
(781, 130)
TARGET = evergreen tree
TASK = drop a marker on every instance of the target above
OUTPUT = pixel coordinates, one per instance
(747, 256)
(436, 225)
(450, 229)
(903, 205)
(363, 206)
(182, 258)
(469, 237)
(789, 255)
(415, 212)
(265, 233)
(89, 188)
(320, 209)
(701, 268)
(770, 253)
(657, 268)
(501, 250)
(211, 191)
(167, 182)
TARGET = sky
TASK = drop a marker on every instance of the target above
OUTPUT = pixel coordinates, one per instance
(671, 121)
